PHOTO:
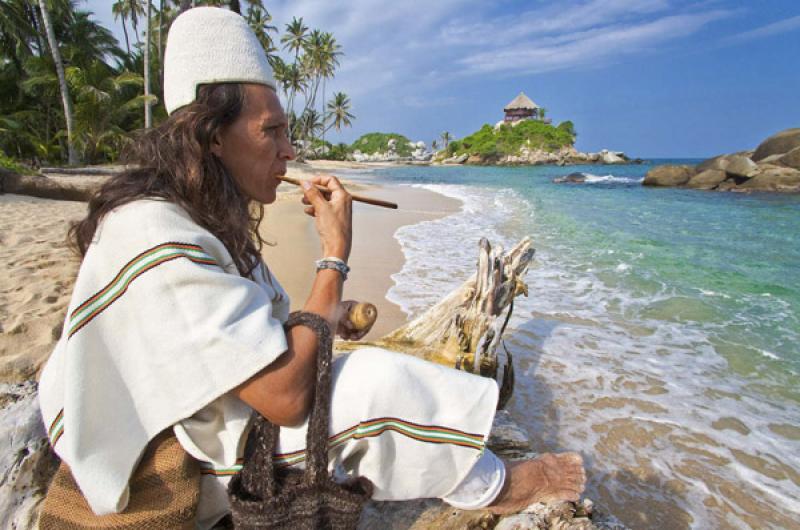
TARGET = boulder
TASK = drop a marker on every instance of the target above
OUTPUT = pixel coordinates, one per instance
(780, 143)
(460, 159)
(573, 178)
(718, 162)
(475, 159)
(727, 185)
(771, 159)
(791, 159)
(740, 166)
(608, 157)
(668, 176)
(774, 179)
(707, 180)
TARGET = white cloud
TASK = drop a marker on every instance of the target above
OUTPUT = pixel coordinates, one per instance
(568, 51)
(776, 28)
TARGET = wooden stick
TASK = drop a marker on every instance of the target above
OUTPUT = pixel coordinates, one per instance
(359, 198)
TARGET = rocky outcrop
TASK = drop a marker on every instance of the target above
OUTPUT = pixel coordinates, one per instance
(707, 180)
(419, 153)
(773, 178)
(527, 156)
(791, 159)
(773, 166)
(572, 178)
(780, 143)
(669, 176)
(460, 159)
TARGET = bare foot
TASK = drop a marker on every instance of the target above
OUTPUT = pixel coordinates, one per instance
(548, 478)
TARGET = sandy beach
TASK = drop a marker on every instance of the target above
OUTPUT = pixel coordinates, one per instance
(40, 268)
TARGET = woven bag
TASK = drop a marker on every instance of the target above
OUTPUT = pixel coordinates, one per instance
(164, 493)
(262, 496)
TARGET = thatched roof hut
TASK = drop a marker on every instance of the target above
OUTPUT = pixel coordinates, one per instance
(520, 108)
(521, 102)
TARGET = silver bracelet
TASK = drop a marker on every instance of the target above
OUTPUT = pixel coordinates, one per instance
(333, 263)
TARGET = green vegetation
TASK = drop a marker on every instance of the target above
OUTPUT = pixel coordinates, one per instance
(12, 165)
(81, 104)
(376, 142)
(507, 140)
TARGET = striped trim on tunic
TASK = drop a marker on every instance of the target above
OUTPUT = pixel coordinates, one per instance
(147, 260)
(113, 291)
(370, 429)
(56, 428)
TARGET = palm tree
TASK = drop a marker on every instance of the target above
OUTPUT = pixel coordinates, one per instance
(62, 83)
(119, 10)
(434, 146)
(294, 40)
(321, 58)
(105, 102)
(16, 32)
(339, 112)
(328, 63)
(445, 136)
(258, 18)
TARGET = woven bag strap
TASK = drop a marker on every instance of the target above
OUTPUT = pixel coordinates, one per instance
(258, 474)
(317, 435)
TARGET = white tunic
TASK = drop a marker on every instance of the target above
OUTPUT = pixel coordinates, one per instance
(160, 328)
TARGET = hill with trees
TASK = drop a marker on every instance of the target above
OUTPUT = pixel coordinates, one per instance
(491, 143)
(376, 142)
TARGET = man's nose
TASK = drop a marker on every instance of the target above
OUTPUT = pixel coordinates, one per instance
(286, 151)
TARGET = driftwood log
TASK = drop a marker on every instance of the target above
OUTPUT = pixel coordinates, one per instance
(465, 329)
(48, 188)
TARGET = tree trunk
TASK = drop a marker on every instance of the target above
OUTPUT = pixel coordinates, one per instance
(464, 330)
(127, 40)
(148, 111)
(160, 45)
(46, 188)
(62, 83)
(322, 110)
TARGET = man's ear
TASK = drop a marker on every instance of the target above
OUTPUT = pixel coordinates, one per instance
(216, 145)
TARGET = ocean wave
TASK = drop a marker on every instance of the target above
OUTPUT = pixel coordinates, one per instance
(606, 179)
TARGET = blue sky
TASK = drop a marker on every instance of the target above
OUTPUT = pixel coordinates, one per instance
(653, 78)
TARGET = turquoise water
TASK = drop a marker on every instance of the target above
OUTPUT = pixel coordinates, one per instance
(660, 338)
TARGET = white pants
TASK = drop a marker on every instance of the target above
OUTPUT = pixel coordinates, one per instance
(414, 428)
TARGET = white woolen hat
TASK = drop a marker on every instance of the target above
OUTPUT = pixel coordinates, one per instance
(211, 45)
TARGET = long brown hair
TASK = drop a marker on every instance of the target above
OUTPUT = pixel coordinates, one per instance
(174, 162)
